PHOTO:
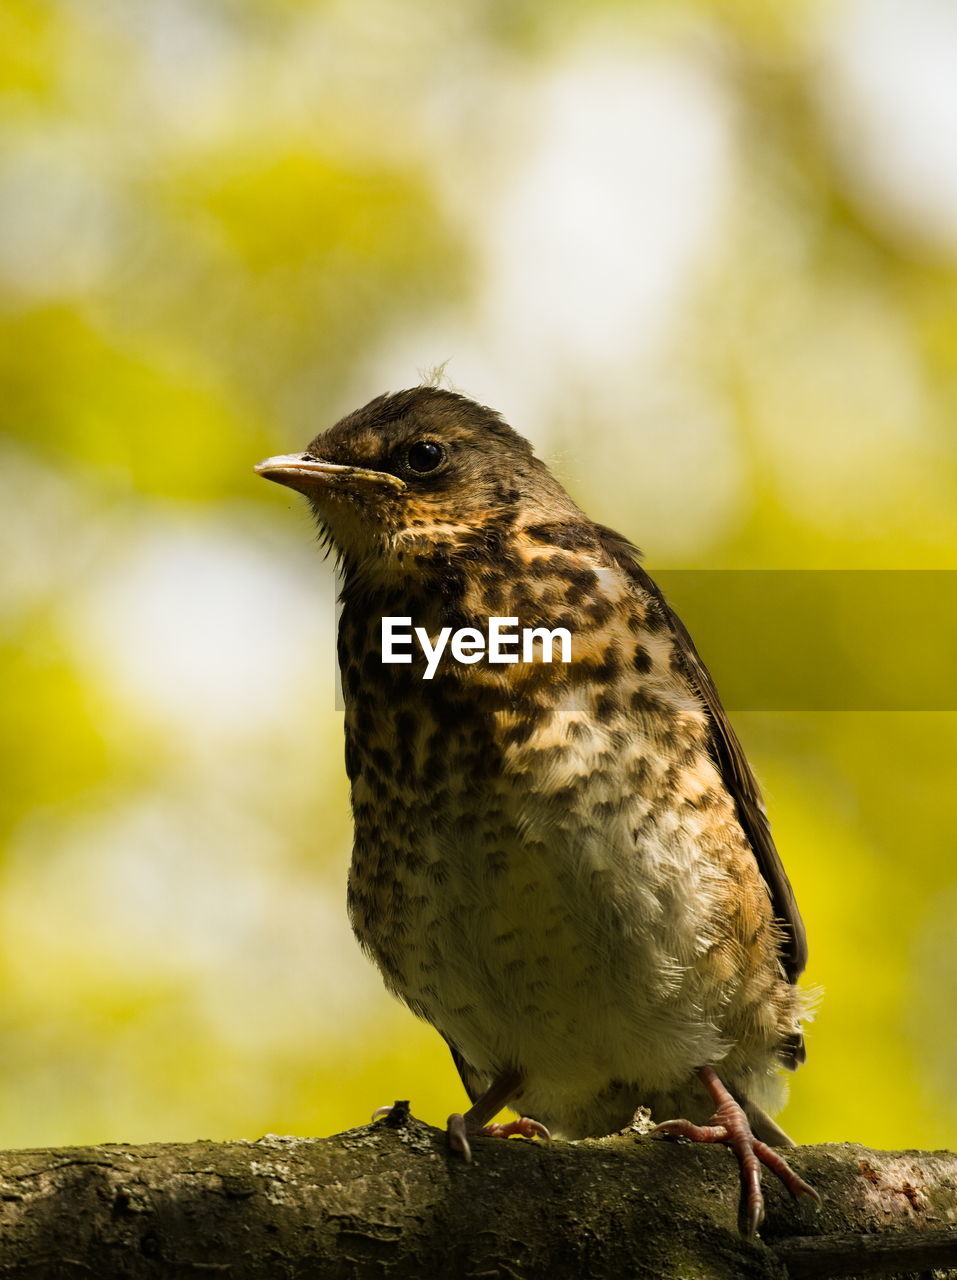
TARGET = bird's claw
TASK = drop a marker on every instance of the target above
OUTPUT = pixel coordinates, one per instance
(729, 1125)
(710, 1132)
(773, 1160)
(523, 1127)
(458, 1131)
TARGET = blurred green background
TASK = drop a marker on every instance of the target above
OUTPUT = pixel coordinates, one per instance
(703, 254)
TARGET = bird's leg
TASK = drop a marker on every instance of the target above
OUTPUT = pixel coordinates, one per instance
(477, 1119)
(730, 1125)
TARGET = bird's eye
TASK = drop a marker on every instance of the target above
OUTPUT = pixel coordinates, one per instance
(425, 455)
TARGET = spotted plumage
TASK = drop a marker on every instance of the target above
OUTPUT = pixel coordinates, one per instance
(565, 867)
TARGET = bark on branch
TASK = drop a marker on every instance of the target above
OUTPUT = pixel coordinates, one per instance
(387, 1200)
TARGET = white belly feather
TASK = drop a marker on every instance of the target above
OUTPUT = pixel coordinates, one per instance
(562, 944)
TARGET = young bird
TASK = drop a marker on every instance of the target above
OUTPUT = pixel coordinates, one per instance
(565, 867)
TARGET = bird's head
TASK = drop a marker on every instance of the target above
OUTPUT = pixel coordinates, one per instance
(416, 470)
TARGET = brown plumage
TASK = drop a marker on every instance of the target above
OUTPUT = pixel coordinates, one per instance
(565, 867)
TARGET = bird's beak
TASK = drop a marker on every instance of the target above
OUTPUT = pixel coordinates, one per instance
(310, 475)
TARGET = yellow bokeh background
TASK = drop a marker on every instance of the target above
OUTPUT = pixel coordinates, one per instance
(704, 254)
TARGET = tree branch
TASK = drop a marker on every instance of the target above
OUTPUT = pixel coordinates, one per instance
(387, 1200)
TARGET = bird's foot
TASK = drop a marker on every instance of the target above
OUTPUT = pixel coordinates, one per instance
(523, 1127)
(729, 1125)
(459, 1131)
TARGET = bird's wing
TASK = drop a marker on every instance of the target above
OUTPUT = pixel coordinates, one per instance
(728, 755)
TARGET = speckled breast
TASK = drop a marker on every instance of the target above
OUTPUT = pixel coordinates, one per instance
(541, 849)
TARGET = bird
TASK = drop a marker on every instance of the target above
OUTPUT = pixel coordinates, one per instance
(565, 867)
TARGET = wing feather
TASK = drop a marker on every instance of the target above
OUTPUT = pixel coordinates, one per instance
(728, 755)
